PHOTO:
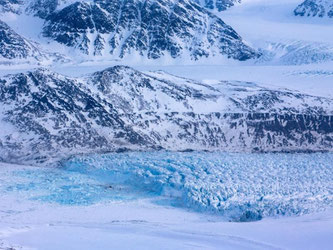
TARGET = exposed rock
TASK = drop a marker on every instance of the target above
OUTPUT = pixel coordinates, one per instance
(320, 8)
(152, 29)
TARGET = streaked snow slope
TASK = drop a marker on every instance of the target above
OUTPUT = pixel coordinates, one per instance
(119, 107)
(90, 202)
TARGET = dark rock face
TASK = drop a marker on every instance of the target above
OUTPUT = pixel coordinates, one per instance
(239, 132)
(219, 5)
(43, 8)
(12, 45)
(151, 28)
(49, 114)
(10, 5)
(320, 8)
(60, 114)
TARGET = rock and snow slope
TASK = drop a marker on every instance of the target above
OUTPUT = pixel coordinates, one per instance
(126, 30)
(320, 8)
(123, 108)
(14, 46)
(18, 50)
(10, 5)
(133, 28)
(44, 8)
(151, 29)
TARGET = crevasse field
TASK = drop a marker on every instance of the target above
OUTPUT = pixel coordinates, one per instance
(170, 200)
(240, 187)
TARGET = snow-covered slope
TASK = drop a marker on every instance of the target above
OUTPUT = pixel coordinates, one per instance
(13, 46)
(160, 92)
(43, 8)
(49, 114)
(320, 8)
(151, 29)
(295, 40)
(134, 30)
(17, 50)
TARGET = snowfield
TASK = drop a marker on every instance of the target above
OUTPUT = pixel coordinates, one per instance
(169, 201)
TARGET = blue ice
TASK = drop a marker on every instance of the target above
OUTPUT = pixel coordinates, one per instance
(241, 187)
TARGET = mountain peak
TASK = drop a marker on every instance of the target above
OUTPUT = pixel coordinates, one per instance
(151, 29)
(320, 8)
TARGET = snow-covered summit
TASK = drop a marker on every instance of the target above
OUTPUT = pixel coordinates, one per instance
(150, 29)
(320, 8)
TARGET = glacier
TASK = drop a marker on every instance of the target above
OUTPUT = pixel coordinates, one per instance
(242, 187)
(236, 186)
(161, 200)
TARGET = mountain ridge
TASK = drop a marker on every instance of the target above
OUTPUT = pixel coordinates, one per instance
(48, 114)
(152, 29)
